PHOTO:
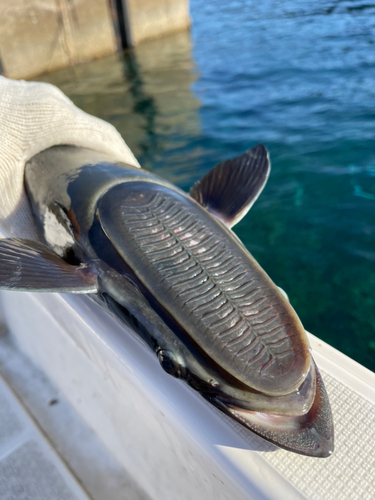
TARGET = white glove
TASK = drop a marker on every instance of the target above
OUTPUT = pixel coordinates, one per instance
(33, 117)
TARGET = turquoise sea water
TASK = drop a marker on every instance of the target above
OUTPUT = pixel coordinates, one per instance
(298, 77)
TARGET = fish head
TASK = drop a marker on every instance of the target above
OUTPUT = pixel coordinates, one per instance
(300, 421)
(238, 341)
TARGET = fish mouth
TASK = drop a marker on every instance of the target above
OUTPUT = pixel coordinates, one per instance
(309, 433)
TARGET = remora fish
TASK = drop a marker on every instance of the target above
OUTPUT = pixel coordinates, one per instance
(169, 260)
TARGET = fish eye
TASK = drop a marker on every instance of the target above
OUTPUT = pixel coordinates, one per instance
(169, 363)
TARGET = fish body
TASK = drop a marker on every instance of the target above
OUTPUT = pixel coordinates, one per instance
(170, 260)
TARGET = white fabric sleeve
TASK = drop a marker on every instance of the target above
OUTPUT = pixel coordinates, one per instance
(35, 116)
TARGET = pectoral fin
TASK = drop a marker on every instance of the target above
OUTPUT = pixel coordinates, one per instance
(30, 266)
(230, 189)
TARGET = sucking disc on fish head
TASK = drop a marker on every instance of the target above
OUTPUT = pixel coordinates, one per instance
(205, 279)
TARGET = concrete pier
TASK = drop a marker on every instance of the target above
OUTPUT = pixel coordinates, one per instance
(38, 36)
(152, 18)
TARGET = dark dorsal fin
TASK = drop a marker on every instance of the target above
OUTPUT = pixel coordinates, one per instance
(30, 266)
(230, 189)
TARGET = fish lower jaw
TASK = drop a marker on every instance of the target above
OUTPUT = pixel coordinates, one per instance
(308, 434)
(287, 432)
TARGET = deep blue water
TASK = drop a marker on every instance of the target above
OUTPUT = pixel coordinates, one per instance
(298, 77)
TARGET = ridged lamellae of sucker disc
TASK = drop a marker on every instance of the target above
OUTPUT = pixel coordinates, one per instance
(216, 291)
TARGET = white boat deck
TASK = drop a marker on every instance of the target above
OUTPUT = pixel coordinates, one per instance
(30, 469)
(164, 436)
(350, 472)
(32, 409)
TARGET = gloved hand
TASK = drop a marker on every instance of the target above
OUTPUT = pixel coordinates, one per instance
(35, 116)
